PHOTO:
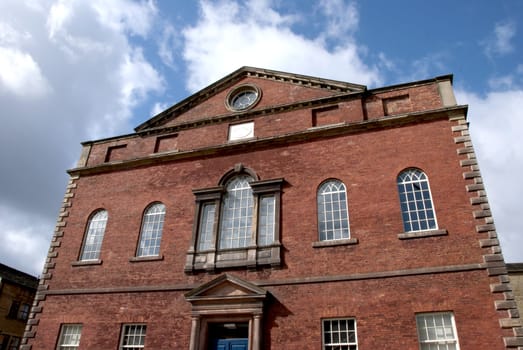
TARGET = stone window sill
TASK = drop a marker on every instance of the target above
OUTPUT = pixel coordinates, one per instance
(422, 234)
(87, 262)
(146, 258)
(334, 243)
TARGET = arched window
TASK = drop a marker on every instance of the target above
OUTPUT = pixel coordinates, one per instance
(94, 236)
(417, 209)
(151, 233)
(236, 222)
(333, 214)
(236, 216)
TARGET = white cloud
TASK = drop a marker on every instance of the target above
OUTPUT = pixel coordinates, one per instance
(77, 58)
(342, 17)
(496, 122)
(22, 238)
(21, 75)
(500, 41)
(11, 36)
(137, 77)
(158, 108)
(59, 15)
(229, 35)
(123, 16)
(167, 45)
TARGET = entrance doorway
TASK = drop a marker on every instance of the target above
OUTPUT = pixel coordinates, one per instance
(229, 336)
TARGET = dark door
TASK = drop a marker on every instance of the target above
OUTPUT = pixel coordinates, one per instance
(228, 336)
(231, 344)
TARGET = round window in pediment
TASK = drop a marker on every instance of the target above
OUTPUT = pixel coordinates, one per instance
(243, 97)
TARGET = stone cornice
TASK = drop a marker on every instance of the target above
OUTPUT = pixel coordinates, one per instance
(282, 282)
(274, 141)
(233, 116)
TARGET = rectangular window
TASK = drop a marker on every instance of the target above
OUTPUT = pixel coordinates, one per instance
(339, 334)
(266, 220)
(14, 344)
(437, 331)
(133, 337)
(23, 312)
(206, 226)
(13, 311)
(241, 131)
(69, 337)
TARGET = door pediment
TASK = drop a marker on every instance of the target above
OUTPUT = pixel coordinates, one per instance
(226, 292)
(225, 286)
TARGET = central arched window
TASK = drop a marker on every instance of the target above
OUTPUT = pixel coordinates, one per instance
(333, 214)
(236, 223)
(237, 208)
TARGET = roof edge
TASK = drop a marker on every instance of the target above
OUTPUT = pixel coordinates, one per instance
(236, 75)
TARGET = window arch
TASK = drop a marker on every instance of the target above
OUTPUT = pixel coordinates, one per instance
(333, 213)
(151, 231)
(94, 236)
(417, 208)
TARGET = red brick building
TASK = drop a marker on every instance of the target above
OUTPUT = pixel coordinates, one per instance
(279, 211)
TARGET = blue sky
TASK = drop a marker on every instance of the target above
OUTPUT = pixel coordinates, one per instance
(77, 70)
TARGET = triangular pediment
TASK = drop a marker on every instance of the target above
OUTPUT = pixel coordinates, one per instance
(226, 287)
(277, 89)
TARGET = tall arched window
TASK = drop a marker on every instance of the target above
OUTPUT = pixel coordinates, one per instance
(94, 236)
(151, 233)
(333, 214)
(236, 223)
(417, 209)
(237, 207)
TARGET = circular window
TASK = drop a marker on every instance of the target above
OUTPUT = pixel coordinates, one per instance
(243, 97)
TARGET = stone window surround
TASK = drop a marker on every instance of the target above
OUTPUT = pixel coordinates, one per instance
(250, 256)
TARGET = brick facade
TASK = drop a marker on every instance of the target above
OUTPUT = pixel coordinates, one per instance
(307, 130)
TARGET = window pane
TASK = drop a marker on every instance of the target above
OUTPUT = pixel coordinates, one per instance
(236, 220)
(206, 226)
(266, 220)
(333, 215)
(416, 201)
(436, 331)
(70, 337)
(339, 334)
(15, 343)
(94, 236)
(152, 227)
(133, 337)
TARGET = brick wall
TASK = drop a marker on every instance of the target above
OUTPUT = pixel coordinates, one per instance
(381, 280)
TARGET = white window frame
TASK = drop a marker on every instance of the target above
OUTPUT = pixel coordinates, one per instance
(333, 193)
(70, 335)
(151, 231)
(237, 214)
(348, 344)
(126, 335)
(445, 334)
(94, 236)
(413, 203)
